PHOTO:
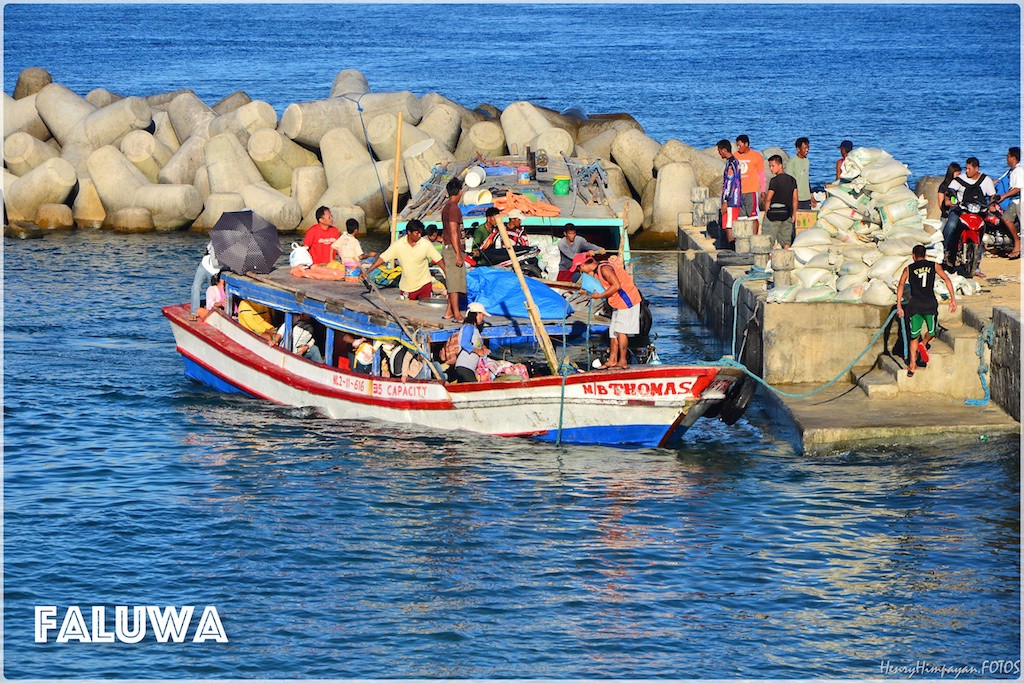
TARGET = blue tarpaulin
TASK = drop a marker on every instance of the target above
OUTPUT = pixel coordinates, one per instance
(499, 291)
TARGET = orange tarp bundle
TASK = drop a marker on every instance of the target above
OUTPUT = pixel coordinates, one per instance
(318, 272)
(528, 207)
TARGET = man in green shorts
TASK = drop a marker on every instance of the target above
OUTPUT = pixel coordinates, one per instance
(922, 307)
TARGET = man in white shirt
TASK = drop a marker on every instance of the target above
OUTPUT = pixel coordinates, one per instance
(1012, 212)
(348, 248)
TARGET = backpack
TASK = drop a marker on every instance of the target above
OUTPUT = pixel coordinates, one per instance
(973, 194)
(451, 349)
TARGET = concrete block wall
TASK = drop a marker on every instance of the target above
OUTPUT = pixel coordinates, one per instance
(800, 342)
(1005, 374)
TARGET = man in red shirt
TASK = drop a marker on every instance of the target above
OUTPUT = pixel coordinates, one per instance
(321, 235)
(453, 250)
(752, 177)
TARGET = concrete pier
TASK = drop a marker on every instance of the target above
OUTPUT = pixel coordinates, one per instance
(801, 346)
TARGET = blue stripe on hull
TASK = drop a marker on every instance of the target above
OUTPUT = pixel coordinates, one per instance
(629, 435)
(198, 373)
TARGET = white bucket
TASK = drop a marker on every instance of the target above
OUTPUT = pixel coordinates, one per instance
(481, 196)
(474, 176)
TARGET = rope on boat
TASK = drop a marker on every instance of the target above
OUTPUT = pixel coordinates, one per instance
(362, 122)
(755, 273)
(987, 336)
(736, 364)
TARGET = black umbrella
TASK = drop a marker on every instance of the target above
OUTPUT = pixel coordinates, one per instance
(244, 241)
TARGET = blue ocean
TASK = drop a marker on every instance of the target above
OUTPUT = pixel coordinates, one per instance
(365, 550)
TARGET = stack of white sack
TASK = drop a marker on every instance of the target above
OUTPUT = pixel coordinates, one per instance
(864, 236)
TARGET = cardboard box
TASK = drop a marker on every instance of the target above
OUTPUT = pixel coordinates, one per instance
(805, 219)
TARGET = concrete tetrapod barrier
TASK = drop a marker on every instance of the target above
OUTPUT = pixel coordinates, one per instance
(187, 112)
(617, 183)
(382, 133)
(522, 122)
(484, 138)
(216, 204)
(61, 110)
(54, 217)
(419, 161)
(341, 151)
(599, 146)
(349, 82)
(187, 159)
(555, 141)
(164, 132)
(121, 186)
(647, 202)
(101, 97)
(202, 182)
(146, 152)
(706, 168)
(22, 153)
(21, 116)
(603, 123)
(469, 117)
(443, 123)
(231, 102)
(672, 204)
(308, 184)
(161, 101)
(30, 81)
(87, 210)
(634, 152)
(307, 122)
(928, 186)
(245, 121)
(230, 169)
(49, 183)
(635, 219)
(135, 219)
(367, 186)
(277, 157)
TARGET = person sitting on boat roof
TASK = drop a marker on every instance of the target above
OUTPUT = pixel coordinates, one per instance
(348, 248)
(471, 344)
(516, 233)
(256, 318)
(568, 247)
(484, 231)
(624, 298)
(303, 342)
(415, 255)
(321, 236)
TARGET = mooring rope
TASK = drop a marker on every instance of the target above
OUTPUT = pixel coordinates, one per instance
(362, 122)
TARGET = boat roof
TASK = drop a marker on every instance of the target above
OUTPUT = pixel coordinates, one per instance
(350, 307)
(580, 210)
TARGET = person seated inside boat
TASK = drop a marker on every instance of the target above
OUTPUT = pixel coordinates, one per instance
(415, 254)
(471, 344)
(570, 245)
(257, 319)
(363, 351)
(347, 247)
(516, 234)
(434, 235)
(215, 293)
(399, 362)
(303, 341)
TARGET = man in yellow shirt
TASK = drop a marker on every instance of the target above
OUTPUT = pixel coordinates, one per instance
(256, 318)
(752, 180)
(415, 254)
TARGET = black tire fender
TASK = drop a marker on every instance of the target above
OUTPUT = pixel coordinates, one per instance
(741, 393)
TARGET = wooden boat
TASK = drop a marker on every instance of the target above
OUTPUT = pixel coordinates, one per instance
(643, 405)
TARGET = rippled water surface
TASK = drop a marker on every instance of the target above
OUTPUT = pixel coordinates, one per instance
(360, 549)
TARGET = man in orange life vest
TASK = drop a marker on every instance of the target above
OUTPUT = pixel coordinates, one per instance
(624, 298)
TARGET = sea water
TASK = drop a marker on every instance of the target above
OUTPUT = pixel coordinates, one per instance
(362, 549)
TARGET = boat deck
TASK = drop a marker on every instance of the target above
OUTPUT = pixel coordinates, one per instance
(350, 306)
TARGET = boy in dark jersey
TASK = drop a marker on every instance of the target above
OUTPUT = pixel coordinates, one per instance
(922, 307)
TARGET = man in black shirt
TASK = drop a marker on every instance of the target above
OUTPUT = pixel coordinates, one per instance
(922, 307)
(780, 203)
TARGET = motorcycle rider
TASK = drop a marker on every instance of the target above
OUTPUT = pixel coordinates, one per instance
(971, 186)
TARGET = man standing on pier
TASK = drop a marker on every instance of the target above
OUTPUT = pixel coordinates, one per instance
(781, 202)
(732, 190)
(923, 307)
(800, 167)
(453, 250)
(752, 175)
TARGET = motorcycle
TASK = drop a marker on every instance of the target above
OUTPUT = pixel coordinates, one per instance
(996, 237)
(528, 258)
(965, 256)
